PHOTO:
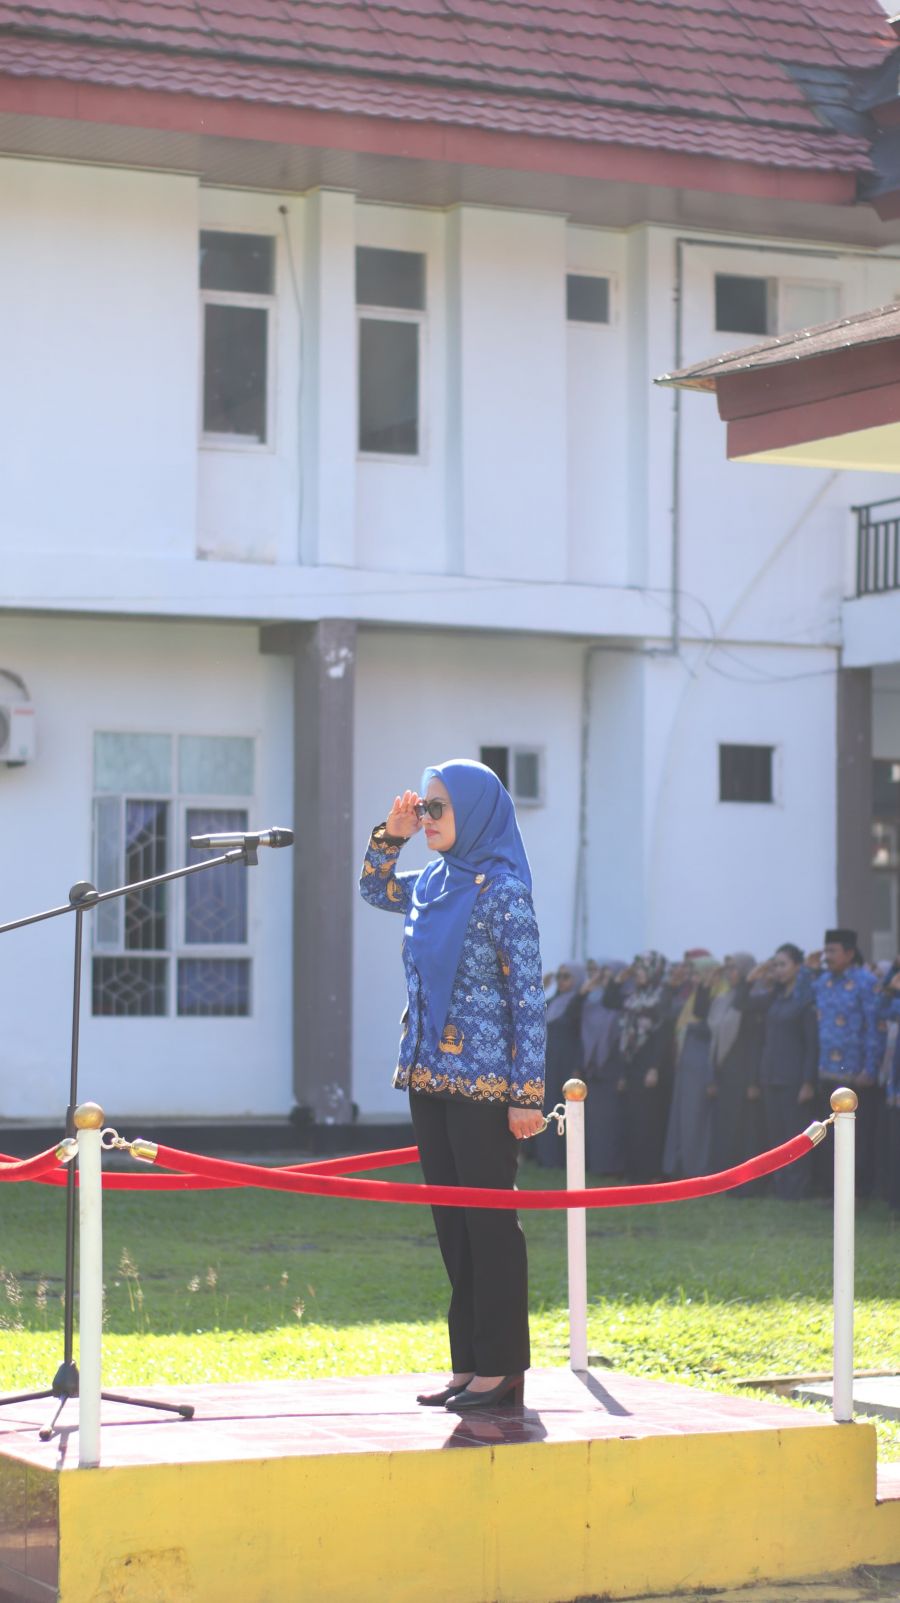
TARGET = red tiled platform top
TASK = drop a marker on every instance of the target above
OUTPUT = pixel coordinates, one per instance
(699, 76)
(380, 1415)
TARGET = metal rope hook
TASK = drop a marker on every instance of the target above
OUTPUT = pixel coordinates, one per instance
(559, 1114)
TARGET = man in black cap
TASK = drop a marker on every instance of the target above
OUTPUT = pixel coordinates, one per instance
(851, 1042)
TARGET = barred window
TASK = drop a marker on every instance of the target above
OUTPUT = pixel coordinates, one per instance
(181, 948)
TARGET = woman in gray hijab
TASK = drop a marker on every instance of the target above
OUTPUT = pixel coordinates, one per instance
(738, 1121)
(563, 1057)
(603, 1112)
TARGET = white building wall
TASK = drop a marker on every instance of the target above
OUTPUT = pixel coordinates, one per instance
(401, 506)
(507, 392)
(98, 330)
(86, 676)
(598, 436)
(543, 494)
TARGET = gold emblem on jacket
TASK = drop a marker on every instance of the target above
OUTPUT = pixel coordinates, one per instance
(503, 960)
(452, 1040)
(394, 893)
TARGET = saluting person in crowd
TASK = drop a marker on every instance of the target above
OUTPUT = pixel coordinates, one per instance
(642, 1000)
(472, 1050)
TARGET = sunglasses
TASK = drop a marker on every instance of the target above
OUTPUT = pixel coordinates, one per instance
(434, 809)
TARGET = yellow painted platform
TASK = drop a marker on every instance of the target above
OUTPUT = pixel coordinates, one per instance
(347, 1492)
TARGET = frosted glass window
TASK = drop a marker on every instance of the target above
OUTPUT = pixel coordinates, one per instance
(139, 764)
(215, 765)
(108, 868)
(807, 305)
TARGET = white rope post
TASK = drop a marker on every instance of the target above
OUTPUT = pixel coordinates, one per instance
(89, 1123)
(575, 1092)
(844, 1104)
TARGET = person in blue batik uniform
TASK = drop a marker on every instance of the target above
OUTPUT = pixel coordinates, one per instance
(850, 1042)
(472, 1050)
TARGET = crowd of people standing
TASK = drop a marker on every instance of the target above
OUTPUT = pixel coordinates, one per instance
(695, 1065)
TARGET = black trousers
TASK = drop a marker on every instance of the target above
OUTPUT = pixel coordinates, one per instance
(471, 1144)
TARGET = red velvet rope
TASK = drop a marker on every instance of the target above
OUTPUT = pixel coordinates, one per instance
(28, 1168)
(147, 1181)
(316, 1180)
(326, 1179)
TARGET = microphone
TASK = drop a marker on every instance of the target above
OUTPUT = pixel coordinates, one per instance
(261, 837)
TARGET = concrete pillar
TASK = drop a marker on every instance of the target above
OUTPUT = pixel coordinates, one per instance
(325, 866)
(328, 406)
(855, 898)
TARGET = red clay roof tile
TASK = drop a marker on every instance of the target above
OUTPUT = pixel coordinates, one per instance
(707, 76)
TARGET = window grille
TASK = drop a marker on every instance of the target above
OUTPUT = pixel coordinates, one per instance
(202, 923)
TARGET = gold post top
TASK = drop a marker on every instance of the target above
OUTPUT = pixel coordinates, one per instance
(843, 1100)
(575, 1090)
(89, 1116)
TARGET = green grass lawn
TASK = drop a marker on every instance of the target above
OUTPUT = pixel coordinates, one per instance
(223, 1286)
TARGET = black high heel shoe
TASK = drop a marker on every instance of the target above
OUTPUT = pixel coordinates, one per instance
(437, 1399)
(511, 1389)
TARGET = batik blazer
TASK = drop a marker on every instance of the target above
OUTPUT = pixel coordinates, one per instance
(493, 1041)
(850, 1043)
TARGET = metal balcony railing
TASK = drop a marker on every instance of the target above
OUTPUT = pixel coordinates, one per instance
(877, 547)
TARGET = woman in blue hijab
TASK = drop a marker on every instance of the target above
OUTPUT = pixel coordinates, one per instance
(472, 1050)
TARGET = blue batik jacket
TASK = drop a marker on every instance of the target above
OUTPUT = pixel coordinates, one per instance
(851, 1044)
(492, 1045)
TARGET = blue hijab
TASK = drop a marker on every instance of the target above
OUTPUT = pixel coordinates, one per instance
(487, 843)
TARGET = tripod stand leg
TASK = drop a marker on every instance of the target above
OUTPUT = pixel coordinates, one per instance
(26, 1397)
(46, 1431)
(186, 1410)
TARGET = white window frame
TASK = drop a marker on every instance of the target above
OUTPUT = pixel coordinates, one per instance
(179, 805)
(212, 441)
(612, 302)
(396, 314)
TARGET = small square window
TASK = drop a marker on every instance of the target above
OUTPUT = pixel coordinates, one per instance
(520, 769)
(745, 773)
(394, 278)
(587, 299)
(744, 305)
(242, 264)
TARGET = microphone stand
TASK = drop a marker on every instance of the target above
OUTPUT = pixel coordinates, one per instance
(83, 897)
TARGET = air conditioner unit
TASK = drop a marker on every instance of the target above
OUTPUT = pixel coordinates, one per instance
(17, 733)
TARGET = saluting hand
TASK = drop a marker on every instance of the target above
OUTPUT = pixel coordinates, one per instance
(401, 819)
